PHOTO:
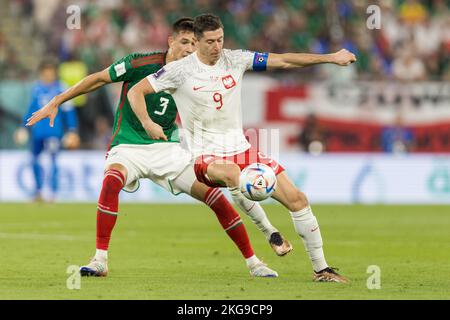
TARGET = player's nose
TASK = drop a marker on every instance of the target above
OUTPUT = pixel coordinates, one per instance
(190, 49)
(216, 47)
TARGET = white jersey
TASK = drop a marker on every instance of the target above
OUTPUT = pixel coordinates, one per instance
(208, 99)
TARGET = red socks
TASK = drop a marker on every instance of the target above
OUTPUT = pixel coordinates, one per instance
(230, 220)
(108, 205)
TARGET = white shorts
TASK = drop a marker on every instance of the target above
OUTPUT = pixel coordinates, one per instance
(166, 164)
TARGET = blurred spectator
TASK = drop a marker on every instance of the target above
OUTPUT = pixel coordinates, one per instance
(157, 32)
(111, 29)
(392, 27)
(132, 35)
(70, 72)
(102, 136)
(427, 37)
(312, 137)
(408, 67)
(413, 43)
(412, 11)
(397, 138)
(3, 54)
(7, 117)
(43, 12)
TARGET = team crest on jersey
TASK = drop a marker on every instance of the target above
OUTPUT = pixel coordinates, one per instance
(159, 73)
(228, 81)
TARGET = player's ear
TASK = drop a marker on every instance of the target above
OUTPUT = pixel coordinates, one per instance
(196, 42)
(170, 41)
(196, 38)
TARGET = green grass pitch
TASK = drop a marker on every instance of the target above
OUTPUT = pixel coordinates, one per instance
(181, 252)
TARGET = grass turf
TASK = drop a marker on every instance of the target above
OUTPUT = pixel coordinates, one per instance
(181, 252)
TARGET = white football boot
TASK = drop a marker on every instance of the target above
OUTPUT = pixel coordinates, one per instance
(96, 268)
(261, 269)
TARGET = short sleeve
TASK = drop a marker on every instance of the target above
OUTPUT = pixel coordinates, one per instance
(170, 77)
(250, 60)
(122, 69)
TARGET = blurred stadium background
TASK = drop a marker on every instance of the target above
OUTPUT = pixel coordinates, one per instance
(375, 132)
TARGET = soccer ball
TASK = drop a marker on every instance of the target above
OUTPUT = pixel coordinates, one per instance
(257, 181)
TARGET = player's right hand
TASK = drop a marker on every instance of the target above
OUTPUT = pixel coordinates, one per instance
(344, 57)
(50, 110)
(155, 131)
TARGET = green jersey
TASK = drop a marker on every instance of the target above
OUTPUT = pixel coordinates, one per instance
(160, 106)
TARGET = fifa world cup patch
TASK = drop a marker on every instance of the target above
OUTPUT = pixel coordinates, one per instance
(228, 81)
(120, 69)
(159, 73)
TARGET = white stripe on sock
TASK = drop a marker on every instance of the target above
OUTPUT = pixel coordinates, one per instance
(107, 211)
(103, 206)
(115, 175)
(233, 225)
(215, 199)
(212, 193)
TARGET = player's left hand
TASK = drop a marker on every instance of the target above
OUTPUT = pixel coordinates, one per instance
(154, 131)
(50, 110)
(344, 57)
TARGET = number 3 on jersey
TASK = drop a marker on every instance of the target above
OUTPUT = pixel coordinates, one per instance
(218, 98)
(164, 102)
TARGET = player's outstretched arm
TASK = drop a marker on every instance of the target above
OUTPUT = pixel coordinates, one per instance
(136, 97)
(299, 60)
(87, 84)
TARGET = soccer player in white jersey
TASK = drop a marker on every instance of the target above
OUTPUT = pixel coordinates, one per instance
(206, 87)
(134, 155)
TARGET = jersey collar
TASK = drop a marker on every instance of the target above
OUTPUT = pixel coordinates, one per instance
(204, 64)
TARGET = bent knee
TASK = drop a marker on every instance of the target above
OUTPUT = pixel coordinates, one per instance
(231, 176)
(118, 167)
(297, 201)
(113, 181)
(226, 173)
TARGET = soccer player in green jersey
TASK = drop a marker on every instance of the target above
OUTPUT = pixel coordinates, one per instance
(132, 154)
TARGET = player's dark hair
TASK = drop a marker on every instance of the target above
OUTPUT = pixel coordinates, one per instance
(206, 22)
(183, 24)
(48, 63)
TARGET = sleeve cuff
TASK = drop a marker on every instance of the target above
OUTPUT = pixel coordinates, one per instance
(153, 83)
